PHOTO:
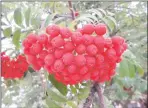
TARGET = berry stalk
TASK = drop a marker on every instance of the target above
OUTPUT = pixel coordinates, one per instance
(89, 99)
(100, 95)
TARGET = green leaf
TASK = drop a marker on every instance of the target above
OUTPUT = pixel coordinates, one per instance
(18, 16)
(55, 96)
(132, 69)
(96, 12)
(16, 38)
(72, 104)
(48, 19)
(73, 89)
(139, 70)
(7, 32)
(52, 104)
(35, 21)
(126, 68)
(84, 92)
(89, 20)
(91, 17)
(58, 20)
(61, 87)
(27, 16)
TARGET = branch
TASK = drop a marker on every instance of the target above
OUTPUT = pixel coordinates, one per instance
(100, 95)
(71, 9)
(89, 99)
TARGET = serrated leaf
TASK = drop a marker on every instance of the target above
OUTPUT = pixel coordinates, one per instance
(113, 20)
(55, 96)
(58, 20)
(16, 38)
(35, 21)
(51, 103)
(90, 16)
(84, 19)
(96, 12)
(84, 92)
(61, 87)
(72, 104)
(18, 16)
(123, 68)
(27, 16)
(132, 69)
(139, 70)
(7, 32)
(73, 89)
(103, 11)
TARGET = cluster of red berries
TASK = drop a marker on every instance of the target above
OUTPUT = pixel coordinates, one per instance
(13, 68)
(73, 57)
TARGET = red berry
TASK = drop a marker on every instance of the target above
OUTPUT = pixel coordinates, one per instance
(100, 29)
(80, 49)
(26, 43)
(100, 59)
(99, 41)
(58, 65)
(90, 61)
(80, 30)
(49, 59)
(57, 42)
(76, 13)
(65, 32)
(92, 50)
(94, 74)
(125, 46)
(43, 54)
(88, 29)
(108, 43)
(40, 62)
(36, 66)
(68, 58)
(58, 53)
(80, 60)
(77, 37)
(31, 59)
(88, 39)
(50, 49)
(53, 30)
(72, 69)
(32, 38)
(69, 46)
(42, 38)
(83, 70)
(36, 48)
(26, 51)
(117, 40)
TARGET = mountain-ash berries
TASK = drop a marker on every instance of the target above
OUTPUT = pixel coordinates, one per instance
(73, 57)
(13, 68)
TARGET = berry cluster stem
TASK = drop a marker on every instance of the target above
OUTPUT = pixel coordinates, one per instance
(100, 95)
(89, 100)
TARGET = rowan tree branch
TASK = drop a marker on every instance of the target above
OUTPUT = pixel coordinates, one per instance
(100, 95)
(72, 10)
(89, 99)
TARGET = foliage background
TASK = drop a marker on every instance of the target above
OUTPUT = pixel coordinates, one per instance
(127, 19)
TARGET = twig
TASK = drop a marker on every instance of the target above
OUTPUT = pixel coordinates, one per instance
(89, 99)
(100, 95)
(71, 9)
